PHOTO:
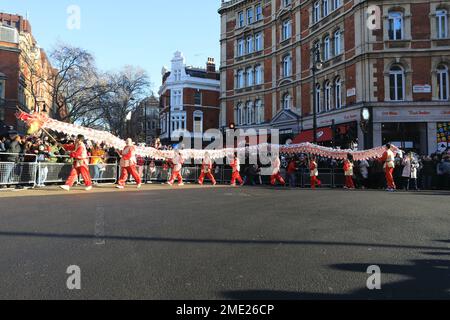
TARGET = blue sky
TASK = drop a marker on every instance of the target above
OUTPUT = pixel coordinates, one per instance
(136, 32)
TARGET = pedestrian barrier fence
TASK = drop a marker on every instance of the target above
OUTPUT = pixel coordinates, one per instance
(27, 170)
(18, 169)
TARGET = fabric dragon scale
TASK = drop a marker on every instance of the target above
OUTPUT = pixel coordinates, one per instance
(98, 136)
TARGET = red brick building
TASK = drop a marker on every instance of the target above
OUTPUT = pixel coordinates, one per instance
(22, 65)
(397, 72)
(189, 99)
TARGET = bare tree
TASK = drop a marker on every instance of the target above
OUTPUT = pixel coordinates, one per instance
(77, 86)
(131, 85)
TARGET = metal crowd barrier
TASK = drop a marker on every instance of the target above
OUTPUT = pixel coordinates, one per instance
(21, 171)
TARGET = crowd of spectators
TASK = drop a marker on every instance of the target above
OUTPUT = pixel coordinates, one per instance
(413, 172)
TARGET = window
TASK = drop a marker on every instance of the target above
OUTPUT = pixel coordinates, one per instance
(395, 26)
(326, 48)
(397, 83)
(316, 12)
(337, 43)
(336, 4)
(259, 112)
(2, 89)
(442, 80)
(250, 113)
(326, 7)
(250, 78)
(286, 30)
(287, 101)
(249, 45)
(177, 75)
(287, 66)
(337, 93)
(258, 75)
(244, 115)
(258, 42)
(177, 98)
(318, 102)
(238, 114)
(178, 121)
(240, 48)
(241, 19)
(198, 98)
(198, 122)
(258, 10)
(442, 24)
(327, 95)
(287, 2)
(249, 15)
(240, 79)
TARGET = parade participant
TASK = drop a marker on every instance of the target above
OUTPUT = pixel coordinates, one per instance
(207, 167)
(348, 171)
(314, 172)
(388, 159)
(128, 165)
(276, 166)
(292, 172)
(80, 164)
(236, 166)
(177, 166)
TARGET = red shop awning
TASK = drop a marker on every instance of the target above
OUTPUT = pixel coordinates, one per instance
(323, 135)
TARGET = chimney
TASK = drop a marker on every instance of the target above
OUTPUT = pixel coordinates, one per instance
(211, 65)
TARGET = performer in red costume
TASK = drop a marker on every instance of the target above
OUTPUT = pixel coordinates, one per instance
(128, 165)
(80, 165)
(236, 166)
(313, 167)
(389, 165)
(176, 170)
(276, 175)
(207, 167)
(348, 171)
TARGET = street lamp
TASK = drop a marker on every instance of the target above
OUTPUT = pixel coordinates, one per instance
(317, 66)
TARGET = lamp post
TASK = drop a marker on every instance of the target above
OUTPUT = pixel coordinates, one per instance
(317, 66)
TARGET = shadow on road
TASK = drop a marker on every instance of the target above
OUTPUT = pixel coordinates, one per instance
(426, 279)
(216, 241)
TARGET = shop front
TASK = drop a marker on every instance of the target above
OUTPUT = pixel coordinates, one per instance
(422, 129)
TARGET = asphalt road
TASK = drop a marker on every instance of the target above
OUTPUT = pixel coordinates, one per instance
(223, 243)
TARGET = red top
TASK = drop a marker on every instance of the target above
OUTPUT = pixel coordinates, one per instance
(292, 168)
(312, 165)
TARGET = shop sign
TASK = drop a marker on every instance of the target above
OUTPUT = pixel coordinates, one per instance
(422, 88)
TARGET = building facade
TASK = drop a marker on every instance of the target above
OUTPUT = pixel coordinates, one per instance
(145, 121)
(24, 67)
(189, 99)
(386, 59)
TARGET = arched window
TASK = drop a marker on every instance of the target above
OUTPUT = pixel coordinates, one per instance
(238, 114)
(318, 96)
(198, 122)
(327, 95)
(259, 112)
(287, 101)
(326, 48)
(442, 24)
(244, 115)
(249, 45)
(337, 42)
(395, 26)
(258, 75)
(250, 78)
(397, 83)
(240, 79)
(287, 66)
(316, 12)
(337, 93)
(326, 7)
(442, 81)
(250, 113)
